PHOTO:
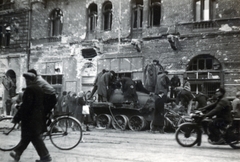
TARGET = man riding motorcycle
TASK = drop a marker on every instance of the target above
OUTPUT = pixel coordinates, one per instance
(222, 110)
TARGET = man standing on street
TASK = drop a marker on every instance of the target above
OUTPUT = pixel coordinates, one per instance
(158, 115)
(31, 114)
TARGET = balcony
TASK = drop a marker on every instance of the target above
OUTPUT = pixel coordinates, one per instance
(204, 25)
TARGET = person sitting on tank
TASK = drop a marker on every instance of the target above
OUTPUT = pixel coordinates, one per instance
(129, 90)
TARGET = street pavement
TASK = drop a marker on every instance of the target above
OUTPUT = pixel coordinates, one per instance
(109, 145)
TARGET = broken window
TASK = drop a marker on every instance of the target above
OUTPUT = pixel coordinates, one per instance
(56, 22)
(107, 16)
(155, 13)
(137, 14)
(92, 17)
(89, 53)
(5, 34)
(205, 9)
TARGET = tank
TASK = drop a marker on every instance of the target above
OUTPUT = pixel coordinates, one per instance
(119, 114)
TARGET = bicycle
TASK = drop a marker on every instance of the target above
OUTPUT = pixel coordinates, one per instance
(64, 132)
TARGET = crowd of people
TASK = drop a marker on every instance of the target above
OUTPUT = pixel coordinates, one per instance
(39, 98)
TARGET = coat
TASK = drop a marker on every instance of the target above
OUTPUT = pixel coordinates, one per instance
(31, 111)
(162, 84)
(129, 89)
(158, 114)
(103, 83)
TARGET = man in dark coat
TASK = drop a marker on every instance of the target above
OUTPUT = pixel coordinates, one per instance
(129, 89)
(158, 115)
(175, 82)
(222, 110)
(163, 83)
(185, 96)
(31, 114)
(201, 100)
(104, 86)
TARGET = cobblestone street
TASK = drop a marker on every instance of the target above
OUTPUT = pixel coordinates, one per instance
(128, 146)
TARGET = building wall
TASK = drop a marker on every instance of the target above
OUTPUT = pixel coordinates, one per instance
(220, 41)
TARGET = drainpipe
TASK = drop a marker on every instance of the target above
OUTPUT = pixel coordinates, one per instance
(29, 34)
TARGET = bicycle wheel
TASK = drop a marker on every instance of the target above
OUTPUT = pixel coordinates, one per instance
(65, 133)
(10, 134)
(187, 135)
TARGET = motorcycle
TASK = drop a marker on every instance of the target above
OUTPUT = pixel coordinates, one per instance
(190, 133)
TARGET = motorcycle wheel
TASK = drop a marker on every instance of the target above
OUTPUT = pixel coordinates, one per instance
(233, 137)
(187, 135)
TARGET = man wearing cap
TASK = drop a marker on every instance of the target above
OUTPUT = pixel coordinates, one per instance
(157, 123)
(31, 115)
(222, 110)
(50, 98)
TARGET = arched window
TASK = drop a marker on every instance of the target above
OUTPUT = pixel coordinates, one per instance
(92, 17)
(56, 22)
(205, 9)
(107, 16)
(137, 14)
(204, 73)
(155, 13)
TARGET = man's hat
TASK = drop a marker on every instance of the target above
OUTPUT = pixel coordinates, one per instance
(160, 92)
(29, 76)
(222, 90)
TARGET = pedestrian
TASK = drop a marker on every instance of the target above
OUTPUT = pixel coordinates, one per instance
(158, 114)
(236, 105)
(187, 83)
(31, 114)
(201, 100)
(185, 96)
(63, 102)
(95, 84)
(104, 86)
(163, 83)
(67, 100)
(58, 104)
(174, 82)
(79, 108)
(50, 99)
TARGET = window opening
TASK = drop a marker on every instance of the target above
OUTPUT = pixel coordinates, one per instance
(107, 16)
(92, 16)
(137, 13)
(204, 74)
(5, 34)
(155, 12)
(205, 10)
(56, 22)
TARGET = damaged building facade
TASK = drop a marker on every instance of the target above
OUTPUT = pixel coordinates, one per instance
(70, 41)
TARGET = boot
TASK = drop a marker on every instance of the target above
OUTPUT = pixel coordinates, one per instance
(15, 156)
(45, 159)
